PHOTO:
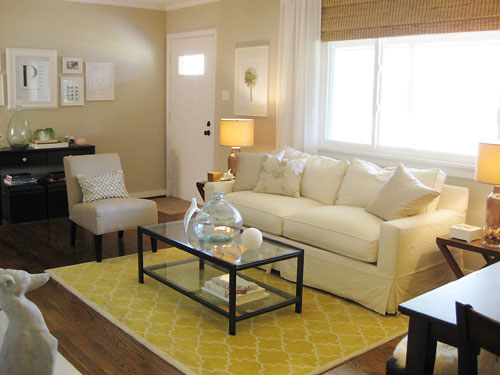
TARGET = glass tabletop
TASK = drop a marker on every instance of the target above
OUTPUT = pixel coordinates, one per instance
(231, 252)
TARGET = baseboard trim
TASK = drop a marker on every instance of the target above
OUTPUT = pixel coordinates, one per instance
(149, 193)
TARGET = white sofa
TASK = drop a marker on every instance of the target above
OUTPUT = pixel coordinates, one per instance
(349, 251)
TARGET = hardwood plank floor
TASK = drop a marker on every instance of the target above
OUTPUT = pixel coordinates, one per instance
(89, 341)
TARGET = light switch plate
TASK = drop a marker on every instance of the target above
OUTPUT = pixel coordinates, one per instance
(225, 95)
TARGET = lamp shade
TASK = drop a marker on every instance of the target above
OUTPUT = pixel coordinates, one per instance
(488, 163)
(236, 132)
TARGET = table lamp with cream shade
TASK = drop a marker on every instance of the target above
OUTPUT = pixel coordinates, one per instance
(488, 171)
(236, 133)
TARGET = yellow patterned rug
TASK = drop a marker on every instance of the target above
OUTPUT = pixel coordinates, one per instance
(194, 338)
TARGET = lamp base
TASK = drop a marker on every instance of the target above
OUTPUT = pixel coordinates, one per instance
(232, 160)
(491, 231)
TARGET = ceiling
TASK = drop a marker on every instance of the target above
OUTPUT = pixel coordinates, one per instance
(149, 4)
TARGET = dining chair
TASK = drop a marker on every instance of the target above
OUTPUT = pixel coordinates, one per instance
(98, 200)
(475, 331)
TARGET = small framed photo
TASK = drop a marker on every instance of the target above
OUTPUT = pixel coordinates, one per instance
(71, 90)
(72, 65)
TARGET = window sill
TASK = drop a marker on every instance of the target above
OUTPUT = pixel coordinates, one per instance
(452, 169)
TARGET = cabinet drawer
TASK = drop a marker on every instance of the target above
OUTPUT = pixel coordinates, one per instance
(56, 157)
(21, 159)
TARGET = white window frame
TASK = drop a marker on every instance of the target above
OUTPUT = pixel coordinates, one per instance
(453, 164)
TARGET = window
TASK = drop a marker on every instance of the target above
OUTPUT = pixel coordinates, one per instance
(191, 65)
(434, 96)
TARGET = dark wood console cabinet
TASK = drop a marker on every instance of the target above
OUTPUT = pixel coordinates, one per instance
(34, 201)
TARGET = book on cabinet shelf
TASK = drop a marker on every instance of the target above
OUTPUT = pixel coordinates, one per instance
(39, 146)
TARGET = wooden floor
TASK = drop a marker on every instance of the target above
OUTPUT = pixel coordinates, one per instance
(90, 342)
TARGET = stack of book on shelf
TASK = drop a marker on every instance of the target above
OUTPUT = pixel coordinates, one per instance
(16, 179)
(47, 143)
(246, 291)
(57, 176)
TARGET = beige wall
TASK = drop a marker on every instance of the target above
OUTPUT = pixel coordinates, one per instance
(239, 23)
(132, 125)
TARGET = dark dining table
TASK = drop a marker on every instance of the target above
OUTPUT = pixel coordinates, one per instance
(433, 318)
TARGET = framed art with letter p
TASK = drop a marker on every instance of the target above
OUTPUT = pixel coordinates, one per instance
(31, 78)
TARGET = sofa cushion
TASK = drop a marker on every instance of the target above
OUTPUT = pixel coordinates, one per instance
(322, 178)
(402, 195)
(249, 167)
(266, 211)
(281, 176)
(346, 230)
(363, 180)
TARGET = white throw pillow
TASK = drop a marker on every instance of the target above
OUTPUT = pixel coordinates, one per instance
(361, 183)
(103, 186)
(322, 178)
(281, 176)
(402, 195)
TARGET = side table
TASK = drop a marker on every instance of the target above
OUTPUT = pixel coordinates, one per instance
(200, 185)
(489, 254)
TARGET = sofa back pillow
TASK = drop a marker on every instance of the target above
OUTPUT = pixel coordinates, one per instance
(248, 172)
(281, 176)
(322, 178)
(402, 195)
(291, 153)
(361, 183)
(249, 167)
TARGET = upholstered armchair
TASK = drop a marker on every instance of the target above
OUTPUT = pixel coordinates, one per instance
(98, 200)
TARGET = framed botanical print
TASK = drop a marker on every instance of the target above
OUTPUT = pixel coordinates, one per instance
(31, 78)
(250, 81)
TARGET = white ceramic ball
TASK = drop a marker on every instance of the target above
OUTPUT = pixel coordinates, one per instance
(251, 238)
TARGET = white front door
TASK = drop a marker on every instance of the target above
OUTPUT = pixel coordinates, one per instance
(190, 111)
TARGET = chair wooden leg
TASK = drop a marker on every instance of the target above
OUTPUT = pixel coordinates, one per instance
(121, 247)
(72, 233)
(154, 245)
(98, 247)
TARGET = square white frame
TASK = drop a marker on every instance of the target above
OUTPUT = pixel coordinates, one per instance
(72, 65)
(100, 81)
(13, 76)
(251, 101)
(76, 91)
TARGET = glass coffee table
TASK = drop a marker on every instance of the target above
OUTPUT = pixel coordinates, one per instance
(211, 260)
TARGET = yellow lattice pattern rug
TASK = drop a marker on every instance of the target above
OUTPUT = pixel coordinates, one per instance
(194, 338)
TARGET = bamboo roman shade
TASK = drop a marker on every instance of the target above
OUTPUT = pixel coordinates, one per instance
(362, 19)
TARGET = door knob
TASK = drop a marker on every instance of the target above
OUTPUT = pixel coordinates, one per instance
(206, 132)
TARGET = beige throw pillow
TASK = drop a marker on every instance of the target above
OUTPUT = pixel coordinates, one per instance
(281, 176)
(103, 186)
(361, 183)
(403, 195)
